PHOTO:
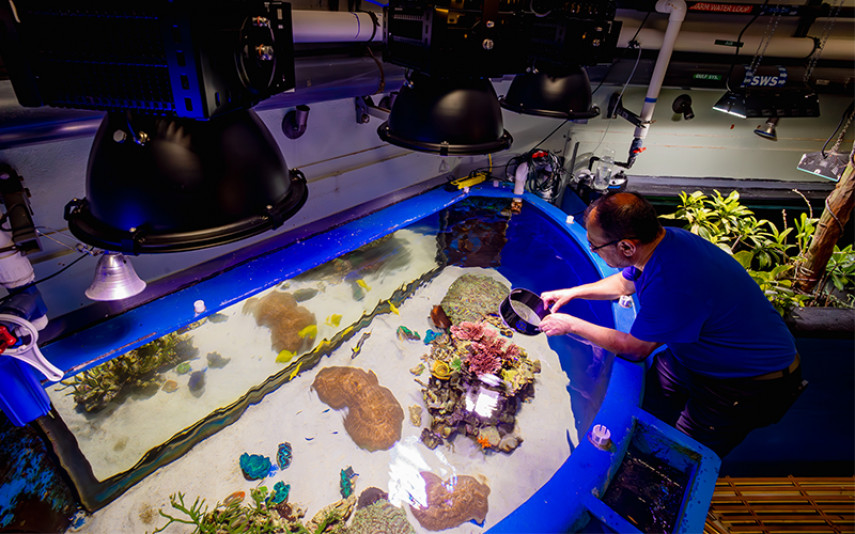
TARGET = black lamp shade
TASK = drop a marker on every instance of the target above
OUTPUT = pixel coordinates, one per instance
(159, 184)
(447, 116)
(566, 96)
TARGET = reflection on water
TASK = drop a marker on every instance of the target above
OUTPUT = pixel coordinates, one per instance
(525, 313)
(378, 400)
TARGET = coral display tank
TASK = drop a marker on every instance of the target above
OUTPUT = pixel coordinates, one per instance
(361, 380)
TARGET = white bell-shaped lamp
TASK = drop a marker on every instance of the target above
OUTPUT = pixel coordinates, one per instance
(115, 278)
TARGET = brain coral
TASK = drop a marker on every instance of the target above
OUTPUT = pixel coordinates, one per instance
(374, 416)
(472, 296)
(280, 312)
(447, 509)
(380, 517)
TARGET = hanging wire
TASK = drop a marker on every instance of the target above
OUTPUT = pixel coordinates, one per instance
(620, 96)
(819, 44)
(739, 42)
(850, 113)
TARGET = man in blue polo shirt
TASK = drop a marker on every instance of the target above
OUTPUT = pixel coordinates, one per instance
(731, 364)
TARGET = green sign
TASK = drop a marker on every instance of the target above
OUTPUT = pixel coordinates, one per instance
(705, 76)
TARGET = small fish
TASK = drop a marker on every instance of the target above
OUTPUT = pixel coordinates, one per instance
(359, 343)
(285, 356)
(361, 283)
(295, 372)
(333, 320)
(394, 308)
(310, 331)
(218, 317)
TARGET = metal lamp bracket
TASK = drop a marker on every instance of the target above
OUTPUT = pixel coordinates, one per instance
(616, 109)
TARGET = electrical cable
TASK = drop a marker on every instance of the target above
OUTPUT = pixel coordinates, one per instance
(620, 96)
(15, 290)
(739, 43)
(848, 112)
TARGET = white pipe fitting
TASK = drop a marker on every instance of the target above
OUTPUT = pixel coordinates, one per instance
(335, 27)
(520, 177)
(677, 11)
(15, 269)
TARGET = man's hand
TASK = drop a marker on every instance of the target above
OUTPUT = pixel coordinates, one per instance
(557, 298)
(558, 324)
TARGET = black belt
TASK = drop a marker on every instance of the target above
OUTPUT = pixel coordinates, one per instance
(782, 373)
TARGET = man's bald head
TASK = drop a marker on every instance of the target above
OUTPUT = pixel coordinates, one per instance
(624, 215)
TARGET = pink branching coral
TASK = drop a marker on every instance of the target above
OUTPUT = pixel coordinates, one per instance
(486, 349)
(482, 360)
(468, 331)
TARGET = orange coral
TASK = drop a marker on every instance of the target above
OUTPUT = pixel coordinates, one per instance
(446, 509)
(484, 442)
(280, 312)
(374, 417)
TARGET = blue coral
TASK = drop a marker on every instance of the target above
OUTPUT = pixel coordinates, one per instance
(254, 466)
(283, 455)
(430, 335)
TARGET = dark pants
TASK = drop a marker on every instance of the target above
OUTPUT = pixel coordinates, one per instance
(718, 412)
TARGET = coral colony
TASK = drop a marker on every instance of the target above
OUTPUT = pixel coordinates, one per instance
(478, 379)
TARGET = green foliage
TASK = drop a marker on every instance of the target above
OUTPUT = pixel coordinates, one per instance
(232, 518)
(767, 253)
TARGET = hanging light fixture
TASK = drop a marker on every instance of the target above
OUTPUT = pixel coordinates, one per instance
(566, 96)
(446, 116)
(115, 278)
(768, 131)
(162, 184)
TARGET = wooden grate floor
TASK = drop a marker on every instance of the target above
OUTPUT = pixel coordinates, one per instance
(782, 505)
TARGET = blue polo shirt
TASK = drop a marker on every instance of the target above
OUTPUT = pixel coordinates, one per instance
(713, 316)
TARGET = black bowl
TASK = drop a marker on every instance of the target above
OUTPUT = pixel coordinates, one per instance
(522, 310)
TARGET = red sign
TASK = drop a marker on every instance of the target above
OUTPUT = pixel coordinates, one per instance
(722, 8)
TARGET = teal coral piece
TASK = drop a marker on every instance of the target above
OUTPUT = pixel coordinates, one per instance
(283, 455)
(405, 334)
(430, 335)
(254, 466)
(346, 482)
(280, 492)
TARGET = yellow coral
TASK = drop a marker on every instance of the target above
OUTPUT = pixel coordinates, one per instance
(440, 370)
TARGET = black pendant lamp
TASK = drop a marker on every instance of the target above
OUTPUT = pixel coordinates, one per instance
(446, 116)
(161, 184)
(564, 96)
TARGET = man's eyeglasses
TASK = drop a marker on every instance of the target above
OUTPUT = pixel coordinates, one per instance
(604, 245)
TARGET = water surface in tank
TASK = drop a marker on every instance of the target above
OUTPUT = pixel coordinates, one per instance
(385, 368)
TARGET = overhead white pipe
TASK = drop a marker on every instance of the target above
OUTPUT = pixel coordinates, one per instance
(336, 27)
(677, 14)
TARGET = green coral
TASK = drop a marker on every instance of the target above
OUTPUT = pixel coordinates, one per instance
(380, 516)
(134, 371)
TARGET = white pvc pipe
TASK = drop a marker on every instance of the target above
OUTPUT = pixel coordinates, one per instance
(335, 27)
(677, 11)
(15, 269)
(520, 177)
